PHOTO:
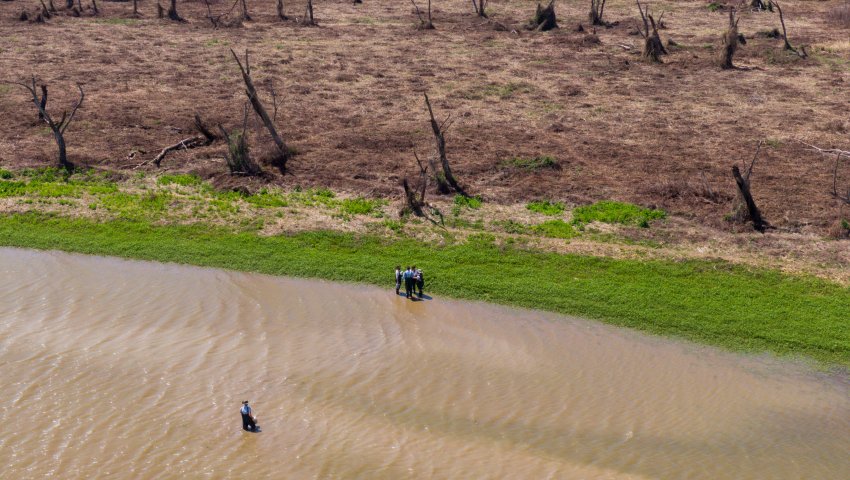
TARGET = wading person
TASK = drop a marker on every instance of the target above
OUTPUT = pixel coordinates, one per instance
(408, 282)
(420, 281)
(249, 421)
(397, 278)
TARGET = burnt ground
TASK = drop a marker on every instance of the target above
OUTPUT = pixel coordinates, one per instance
(350, 99)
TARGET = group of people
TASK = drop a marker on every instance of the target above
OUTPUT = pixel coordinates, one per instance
(412, 278)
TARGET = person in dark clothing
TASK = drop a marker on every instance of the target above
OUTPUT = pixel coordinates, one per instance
(408, 282)
(398, 274)
(249, 421)
(420, 280)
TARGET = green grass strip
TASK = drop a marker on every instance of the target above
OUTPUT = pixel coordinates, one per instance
(710, 302)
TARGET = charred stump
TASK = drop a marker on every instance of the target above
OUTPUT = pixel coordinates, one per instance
(238, 155)
(423, 23)
(280, 14)
(172, 12)
(308, 19)
(544, 18)
(597, 8)
(746, 209)
(480, 6)
(653, 47)
(731, 38)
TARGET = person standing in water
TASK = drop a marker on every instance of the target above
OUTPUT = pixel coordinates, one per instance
(249, 421)
(408, 282)
(420, 281)
(397, 278)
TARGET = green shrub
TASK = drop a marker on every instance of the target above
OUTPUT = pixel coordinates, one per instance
(534, 163)
(714, 6)
(468, 202)
(359, 206)
(179, 179)
(510, 226)
(555, 229)
(546, 207)
(616, 212)
(5, 174)
(266, 199)
(12, 189)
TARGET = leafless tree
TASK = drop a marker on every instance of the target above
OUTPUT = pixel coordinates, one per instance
(446, 182)
(308, 19)
(746, 209)
(280, 14)
(415, 197)
(653, 48)
(58, 128)
(480, 7)
(423, 24)
(172, 12)
(731, 39)
(283, 154)
(802, 52)
(245, 15)
(597, 8)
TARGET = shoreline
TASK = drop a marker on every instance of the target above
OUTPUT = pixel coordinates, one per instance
(716, 303)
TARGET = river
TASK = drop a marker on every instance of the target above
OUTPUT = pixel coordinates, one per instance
(124, 369)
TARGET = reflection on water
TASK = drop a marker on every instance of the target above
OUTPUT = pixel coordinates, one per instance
(138, 370)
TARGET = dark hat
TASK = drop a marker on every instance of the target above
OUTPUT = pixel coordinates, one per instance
(245, 402)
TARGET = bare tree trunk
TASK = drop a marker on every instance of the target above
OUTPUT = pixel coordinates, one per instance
(544, 18)
(172, 12)
(480, 7)
(245, 15)
(135, 8)
(448, 179)
(730, 43)
(284, 153)
(752, 210)
(280, 13)
(802, 52)
(58, 128)
(423, 25)
(653, 48)
(597, 8)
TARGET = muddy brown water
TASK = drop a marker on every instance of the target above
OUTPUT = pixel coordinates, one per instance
(122, 369)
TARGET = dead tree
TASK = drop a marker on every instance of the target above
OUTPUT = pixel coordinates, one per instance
(58, 128)
(280, 13)
(308, 19)
(245, 15)
(52, 8)
(238, 156)
(160, 12)
(415, 197)
(802, 52)
(731, 38)
(423, 25)
(480, 6)
(446, 182)
(283, 154)
(135, 8)
(841, 229)
(45, 12)
(597, 8)
(653, 48)
(746, 209)
(762, 5)
(544, 18)
(172, 12)
(206, 138)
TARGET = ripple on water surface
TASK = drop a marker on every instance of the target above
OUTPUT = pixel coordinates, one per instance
(134, 369)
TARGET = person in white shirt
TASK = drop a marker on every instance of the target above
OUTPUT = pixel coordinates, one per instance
(249, 421)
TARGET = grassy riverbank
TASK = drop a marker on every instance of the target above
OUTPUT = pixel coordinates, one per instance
(710, 302)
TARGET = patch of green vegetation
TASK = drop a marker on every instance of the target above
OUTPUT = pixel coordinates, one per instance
(546, 207)
(511, 226)
(267, 199)
(714, 6)
(395, 225)
(12, 189)
(5, 174)
(179, 179)
(773, 142)
(360, 206)
(314, 196)
(460, 222)
(214, 42)
(128, 206)
(706, 301)
(530, 163)
(468, 202)
(616, 212)
(4, 89)
(555, 229)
